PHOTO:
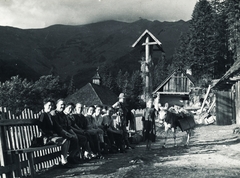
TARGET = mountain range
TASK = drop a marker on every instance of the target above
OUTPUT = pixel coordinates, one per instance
(77, 51)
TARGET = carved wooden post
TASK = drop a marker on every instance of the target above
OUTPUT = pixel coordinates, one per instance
(148, 41)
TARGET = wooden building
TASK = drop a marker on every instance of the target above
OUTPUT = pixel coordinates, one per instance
(174, 89)
(94, 93)
(227, 91)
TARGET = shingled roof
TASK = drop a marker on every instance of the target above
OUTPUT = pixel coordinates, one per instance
(92, 94)
(225, 81)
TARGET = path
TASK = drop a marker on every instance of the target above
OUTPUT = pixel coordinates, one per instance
(213, 152)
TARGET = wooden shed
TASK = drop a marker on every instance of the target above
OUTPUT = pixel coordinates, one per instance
(227, 91)
(174, 89)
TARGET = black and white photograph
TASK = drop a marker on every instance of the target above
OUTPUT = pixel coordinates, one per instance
(119, 88)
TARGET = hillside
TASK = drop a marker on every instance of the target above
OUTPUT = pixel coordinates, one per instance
(78, 50)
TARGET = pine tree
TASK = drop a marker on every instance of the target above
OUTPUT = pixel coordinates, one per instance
(220, 47)
(109, 81)
(201, 46)
(125, 82)
(160, 72)
(135, 90)
(71, 87)
(233, 22)
(181, 56)
(119, 81)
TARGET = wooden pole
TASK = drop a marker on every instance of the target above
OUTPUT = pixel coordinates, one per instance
(209, 87)
(147, 69)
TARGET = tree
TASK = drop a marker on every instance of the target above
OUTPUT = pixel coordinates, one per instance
(160, 71)
(135, 90)
(201, 47)
(119, 81)
(71, 87)
(125, 82)
(109, 82)
(181, 56)
(48, 86)
(14, 93)
(233, 21)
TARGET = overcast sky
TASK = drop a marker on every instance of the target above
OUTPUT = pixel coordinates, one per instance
(43, 13)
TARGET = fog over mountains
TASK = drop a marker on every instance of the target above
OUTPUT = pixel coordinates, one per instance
(78, 50)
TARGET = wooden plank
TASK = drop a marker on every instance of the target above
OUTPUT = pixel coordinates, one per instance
(149, 43)
(205, 98)
(7, 169)
(2, 163)
(224, 114)
(212, 105)
(32, 149)
(31, 164)
(237, 102)
(18, 122)
(51, 156)
(175, 93)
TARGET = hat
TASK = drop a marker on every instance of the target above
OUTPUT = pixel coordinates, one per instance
(121, 95)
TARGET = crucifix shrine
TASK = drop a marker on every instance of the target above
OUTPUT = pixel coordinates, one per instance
(148, 40)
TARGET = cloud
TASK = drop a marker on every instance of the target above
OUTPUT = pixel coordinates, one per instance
(39, 14)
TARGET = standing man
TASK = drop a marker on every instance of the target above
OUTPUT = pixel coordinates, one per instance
(122, 110)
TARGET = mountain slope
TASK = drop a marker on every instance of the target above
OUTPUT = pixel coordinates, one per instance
(78, 50)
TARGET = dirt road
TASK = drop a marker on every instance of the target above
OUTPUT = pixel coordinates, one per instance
(214, 151)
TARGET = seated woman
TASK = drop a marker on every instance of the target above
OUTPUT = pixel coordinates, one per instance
(47, 126)
(92, 125)
(98, 122)
(80, 122)
(93, 129)
(83, 141)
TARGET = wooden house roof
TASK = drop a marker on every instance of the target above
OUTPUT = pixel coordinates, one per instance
(190, 78)
(232, 75)
(92, 94)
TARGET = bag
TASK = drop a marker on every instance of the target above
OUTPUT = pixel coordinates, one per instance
(136, 138)
(41, 141)
(153, 137)
(37, 142)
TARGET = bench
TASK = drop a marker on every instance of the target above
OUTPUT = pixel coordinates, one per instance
(18, 157)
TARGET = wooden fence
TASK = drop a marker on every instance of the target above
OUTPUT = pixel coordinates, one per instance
(16, 158)
(138, 119)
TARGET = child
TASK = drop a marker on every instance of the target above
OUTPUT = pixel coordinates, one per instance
(149, 124)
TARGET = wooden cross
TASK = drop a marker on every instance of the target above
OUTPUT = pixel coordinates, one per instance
(148, 40)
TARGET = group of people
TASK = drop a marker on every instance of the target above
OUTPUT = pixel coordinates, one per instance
(84, 135)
